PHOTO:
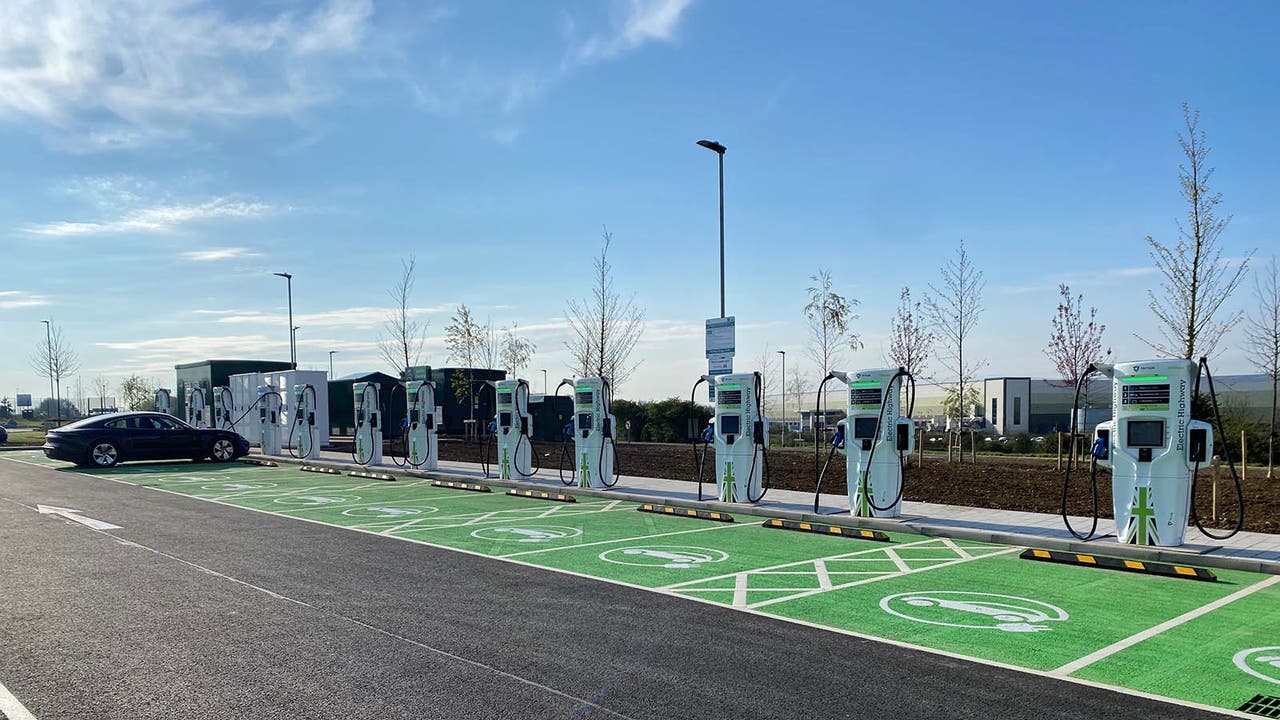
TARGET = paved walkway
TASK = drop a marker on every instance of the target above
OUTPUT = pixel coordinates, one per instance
(1246, 550)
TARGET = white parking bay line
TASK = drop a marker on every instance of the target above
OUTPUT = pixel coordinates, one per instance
(11, 708)
(1151, 632)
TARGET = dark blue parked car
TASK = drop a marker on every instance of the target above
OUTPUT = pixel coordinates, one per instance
(104, 440)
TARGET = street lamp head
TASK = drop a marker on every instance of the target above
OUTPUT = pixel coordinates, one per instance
(712, 145)
(286, 276)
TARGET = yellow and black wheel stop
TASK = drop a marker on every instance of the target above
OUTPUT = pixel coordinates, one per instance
(542, 495)
(1113, 563)
(823, 529)
(318, 469)
(453, 485)
(256, 461)
(372, 476)
(686, 512)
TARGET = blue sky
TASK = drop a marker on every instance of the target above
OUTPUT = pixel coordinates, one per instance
(158, 161)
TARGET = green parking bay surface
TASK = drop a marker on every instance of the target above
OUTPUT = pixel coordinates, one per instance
(1214, 644)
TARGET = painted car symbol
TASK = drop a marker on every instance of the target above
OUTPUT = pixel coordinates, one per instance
(985, 611)
(1260, 662)
(664, 556)
(537, 534)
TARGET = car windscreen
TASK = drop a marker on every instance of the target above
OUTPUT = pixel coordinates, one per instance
(84, 422)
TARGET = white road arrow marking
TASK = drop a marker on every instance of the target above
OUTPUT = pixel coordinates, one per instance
(75, 516)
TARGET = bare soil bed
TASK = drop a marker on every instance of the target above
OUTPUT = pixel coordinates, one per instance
(1002, 483)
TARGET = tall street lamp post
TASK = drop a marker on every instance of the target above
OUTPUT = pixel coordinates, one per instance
(48, 340)
(293, 354)
(783, 353)
(719, 149)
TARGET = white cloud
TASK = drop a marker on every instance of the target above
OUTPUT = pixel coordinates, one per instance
(155, 219)
(1109, 275)
(644, 21)
(215, 254)
(369, 316)
(198, 346)
(14, 299)
(110, 75)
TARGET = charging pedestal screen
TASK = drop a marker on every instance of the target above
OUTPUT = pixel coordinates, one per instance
(515, 428)
(875, 435)
(1153, 448)
(422, 444)
(368, 423)
(740, 435)
(593, 434)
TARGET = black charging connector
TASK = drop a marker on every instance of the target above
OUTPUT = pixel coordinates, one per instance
(1199, 445)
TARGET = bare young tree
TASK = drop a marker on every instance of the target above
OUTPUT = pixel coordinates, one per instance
(829, 315)
(516, 351)
(1197, 279)
(910, 341)
(402, 336)
(953, 309)
(796, 389)
(101, 386)
(606, 328)
(1074, 344)
(490, 350)
(55, 359)
(1262, 335)
(767, 365)
(466, 340)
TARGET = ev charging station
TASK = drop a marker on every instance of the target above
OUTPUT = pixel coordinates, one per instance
(1153, 447)
(594, 428)
(303, 424)
(514, 430)
(197, 416)
(269, 420)
(422, 446)
(740, 437)
(224, 406)
(164, 401)
(876, 436)
(368, 449)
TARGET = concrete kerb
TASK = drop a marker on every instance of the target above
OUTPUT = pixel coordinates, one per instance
(1120, 550)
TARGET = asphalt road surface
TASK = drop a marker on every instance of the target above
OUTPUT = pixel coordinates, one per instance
(197, 610)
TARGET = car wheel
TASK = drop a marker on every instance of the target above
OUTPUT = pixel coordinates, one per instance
(103, 454)
(223, 450)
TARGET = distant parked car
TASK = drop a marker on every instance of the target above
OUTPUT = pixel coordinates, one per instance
(4, 435)
(104, 440)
